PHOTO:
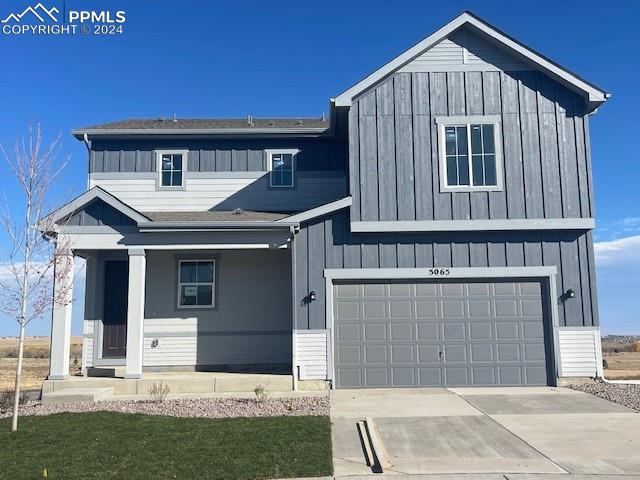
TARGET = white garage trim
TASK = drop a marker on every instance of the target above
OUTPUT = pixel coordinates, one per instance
(439, 273)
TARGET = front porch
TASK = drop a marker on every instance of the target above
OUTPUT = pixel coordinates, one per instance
(206, 311)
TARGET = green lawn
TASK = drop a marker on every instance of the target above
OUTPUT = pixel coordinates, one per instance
(109, 445)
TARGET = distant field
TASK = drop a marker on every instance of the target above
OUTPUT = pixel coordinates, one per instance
(35, 366)
(623, 365)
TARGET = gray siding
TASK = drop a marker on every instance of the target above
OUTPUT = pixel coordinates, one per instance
(393, 152)
(98, 213)
(327, 243)
(216, 156)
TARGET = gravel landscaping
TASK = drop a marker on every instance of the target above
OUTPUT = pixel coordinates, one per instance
(203, 407)
(623, 394)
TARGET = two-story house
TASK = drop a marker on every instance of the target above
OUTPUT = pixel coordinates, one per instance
(434, 230)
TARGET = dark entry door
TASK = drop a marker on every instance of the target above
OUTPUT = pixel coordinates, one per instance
(114, 331)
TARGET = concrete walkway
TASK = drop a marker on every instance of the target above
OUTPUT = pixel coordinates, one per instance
(488, 433)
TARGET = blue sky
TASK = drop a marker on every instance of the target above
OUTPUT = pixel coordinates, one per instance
(284, 58)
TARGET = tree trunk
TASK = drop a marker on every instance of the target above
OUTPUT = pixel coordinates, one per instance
(16, 397)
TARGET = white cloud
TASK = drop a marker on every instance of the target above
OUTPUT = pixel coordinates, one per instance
(620, 252)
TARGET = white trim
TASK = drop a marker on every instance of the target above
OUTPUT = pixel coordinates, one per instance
(595, 95)
(318, 211)
(269, 152)
(213, 283)
(331, 274)
(185, 159)
(474, 225)
(462, 121)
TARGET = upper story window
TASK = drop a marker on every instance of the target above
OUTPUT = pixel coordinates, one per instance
(281, 165)
(196, 283)
(171, 167)
(470, 153)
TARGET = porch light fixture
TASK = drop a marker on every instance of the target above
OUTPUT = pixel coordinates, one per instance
(312, 295)
(570, 293)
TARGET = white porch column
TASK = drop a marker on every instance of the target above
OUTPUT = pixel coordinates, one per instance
(61, 316)
(135, 313)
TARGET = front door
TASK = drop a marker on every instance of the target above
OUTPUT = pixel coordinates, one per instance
(114, 323)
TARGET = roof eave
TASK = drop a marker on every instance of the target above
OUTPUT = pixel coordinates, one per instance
(182, 132)
(163, 226)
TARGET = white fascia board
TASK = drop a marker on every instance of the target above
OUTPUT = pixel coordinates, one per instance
(594, 94)
(89, 196)
(318, 211)
(473, 225)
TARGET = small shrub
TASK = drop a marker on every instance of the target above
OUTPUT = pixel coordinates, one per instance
(261, 393)
(6, 400)
(159, 392)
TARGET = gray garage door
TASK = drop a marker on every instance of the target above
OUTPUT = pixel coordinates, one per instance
(441, 333)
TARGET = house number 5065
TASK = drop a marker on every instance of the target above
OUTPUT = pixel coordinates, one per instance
(438, 272)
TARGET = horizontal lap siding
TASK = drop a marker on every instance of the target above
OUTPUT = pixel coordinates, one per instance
(327, 243)
(394, 157)
(228, 193)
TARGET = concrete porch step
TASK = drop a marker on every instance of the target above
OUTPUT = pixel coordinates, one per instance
(73, 395)
(178, 383)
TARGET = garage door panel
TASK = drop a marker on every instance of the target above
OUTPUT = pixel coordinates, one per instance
(430, 377)
(458, 376)
(482, 353)
(401, 332)
(374, 332)
(400, 309)
(403, 354)
(428, 331)
(376, 354)
(454, 331)
(427, 309)
(453, 309)
(373, 310)
(483, 375)
(479, 308)
(440, 333)
(481, 330)
(429, 354)
(349, 332)
(403, 376)
(350, 355)
(377, 377)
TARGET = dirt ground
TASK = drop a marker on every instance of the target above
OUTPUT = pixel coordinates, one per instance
(622, 365)
(35, 367)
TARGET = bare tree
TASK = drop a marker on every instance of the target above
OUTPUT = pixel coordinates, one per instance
(32, 263)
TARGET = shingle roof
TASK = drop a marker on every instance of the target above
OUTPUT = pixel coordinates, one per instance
(210, 124)
(215, 216)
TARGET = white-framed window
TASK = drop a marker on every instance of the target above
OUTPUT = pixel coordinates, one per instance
(470, 154)
(281, 165)
(196, 283)
(171, 166)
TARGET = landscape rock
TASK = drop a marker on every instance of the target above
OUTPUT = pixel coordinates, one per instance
(621, 393)
(201, 407)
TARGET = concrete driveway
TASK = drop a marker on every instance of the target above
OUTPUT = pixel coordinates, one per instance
(498, 433)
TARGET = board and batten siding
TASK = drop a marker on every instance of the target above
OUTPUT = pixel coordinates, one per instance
(327, 243)
(394, 157)
(225, 192)
(216, 156)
